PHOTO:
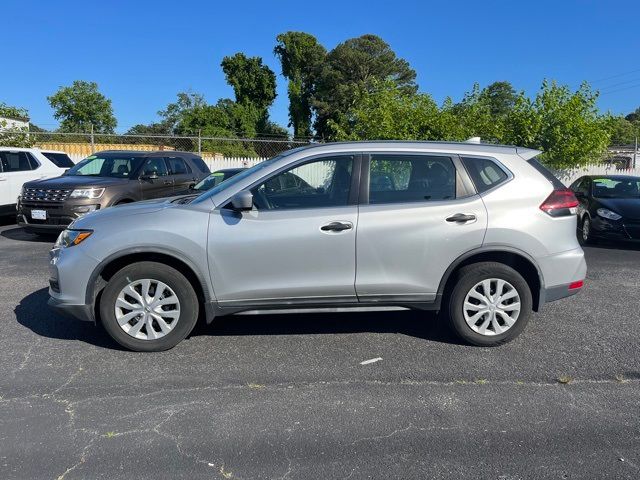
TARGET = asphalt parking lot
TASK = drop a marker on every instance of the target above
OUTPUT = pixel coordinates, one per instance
(286, 396)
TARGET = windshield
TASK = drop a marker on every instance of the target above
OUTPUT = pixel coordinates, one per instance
(237, 178)
(118, 166)
(628, 187)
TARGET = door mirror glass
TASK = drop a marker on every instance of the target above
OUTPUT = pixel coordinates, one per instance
(242, 201)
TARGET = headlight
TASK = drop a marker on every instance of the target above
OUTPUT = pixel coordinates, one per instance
(608, 214)
(69, 238)
(87, 193)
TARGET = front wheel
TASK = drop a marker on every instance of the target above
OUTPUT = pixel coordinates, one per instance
(148, 307)
(490, 304)
(585, 235)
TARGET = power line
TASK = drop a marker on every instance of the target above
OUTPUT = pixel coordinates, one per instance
(615, 76)
(621, 89)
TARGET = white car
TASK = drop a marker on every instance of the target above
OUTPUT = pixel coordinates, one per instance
(20, 165)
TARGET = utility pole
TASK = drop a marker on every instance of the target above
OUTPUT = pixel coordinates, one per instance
(200, 142)
(635, 153)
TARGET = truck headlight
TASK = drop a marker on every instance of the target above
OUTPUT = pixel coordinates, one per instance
(87, 193)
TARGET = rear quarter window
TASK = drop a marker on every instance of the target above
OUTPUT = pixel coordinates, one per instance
(200, 165)
(60, 160)
(484, 172)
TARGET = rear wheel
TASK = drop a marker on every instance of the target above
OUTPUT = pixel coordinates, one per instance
(490, 304)
(148, 306)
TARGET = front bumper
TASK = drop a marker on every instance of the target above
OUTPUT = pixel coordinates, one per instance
(622, 230)
(79, 312)
(70, 270)
(59, 214)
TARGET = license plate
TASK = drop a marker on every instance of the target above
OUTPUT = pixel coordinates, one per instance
(39, 214)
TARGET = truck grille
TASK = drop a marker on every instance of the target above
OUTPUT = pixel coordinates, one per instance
(46, 195)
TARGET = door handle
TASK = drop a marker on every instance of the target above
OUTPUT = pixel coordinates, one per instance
(3, 179)
(336, 227)
(167, 182)
(461, 218)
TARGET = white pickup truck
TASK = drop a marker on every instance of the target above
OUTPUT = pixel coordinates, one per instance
(20, 165)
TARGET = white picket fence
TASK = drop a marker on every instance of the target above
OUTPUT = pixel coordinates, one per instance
(218, 163)
(569, 176)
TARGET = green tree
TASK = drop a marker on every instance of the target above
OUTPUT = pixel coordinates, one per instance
(173, 114)
(633, 116)
(565, 125)
(301, 57)
(499, 97)
(16, 137)
(623, 132)
(351, 68)
(253, 83)
(81, 105)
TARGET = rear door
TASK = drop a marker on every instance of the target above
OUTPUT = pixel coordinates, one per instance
(155, 181)
(17, 168)
(181, 173)
(418, 214)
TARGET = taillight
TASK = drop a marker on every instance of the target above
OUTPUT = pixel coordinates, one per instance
(560, 203)
(576, 285)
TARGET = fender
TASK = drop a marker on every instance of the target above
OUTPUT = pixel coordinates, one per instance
(209, 298)
(496, 247)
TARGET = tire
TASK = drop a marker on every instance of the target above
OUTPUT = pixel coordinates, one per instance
(150, 336)
(470, 278)
(585, 226)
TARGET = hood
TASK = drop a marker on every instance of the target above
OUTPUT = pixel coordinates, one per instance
(76, 181)
(121, 211)
(629, 208)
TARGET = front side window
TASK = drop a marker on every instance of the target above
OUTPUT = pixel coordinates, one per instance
(411, 178)
(155, 167)
(320, 183)
(484, 172)
(16, 162)
(106, 166)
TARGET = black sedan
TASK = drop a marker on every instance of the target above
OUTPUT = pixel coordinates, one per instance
(609, 207)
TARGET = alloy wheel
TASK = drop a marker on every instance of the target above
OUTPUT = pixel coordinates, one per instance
(491, 307)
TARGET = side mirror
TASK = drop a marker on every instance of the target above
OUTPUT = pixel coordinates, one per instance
(242, 201)
(149, 176)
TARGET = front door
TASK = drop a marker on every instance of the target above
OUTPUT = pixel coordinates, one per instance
(297, 245)
(16, 168)
(418, 220)
(155, 181)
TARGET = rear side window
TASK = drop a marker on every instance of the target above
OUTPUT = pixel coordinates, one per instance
(411, 178)
(177, 166)
(60, 160)
(557, 184)
(199, 163)
(484, 172)
(16, 162)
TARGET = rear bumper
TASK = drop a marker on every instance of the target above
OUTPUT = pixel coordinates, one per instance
(559, 292)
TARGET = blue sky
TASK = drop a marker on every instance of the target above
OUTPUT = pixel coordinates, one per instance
(142, 53)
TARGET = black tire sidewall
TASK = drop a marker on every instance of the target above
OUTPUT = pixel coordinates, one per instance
(589, 239)
(469, 276)
(189, 306)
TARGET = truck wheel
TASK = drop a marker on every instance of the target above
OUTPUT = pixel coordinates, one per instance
(149, 307)
(490, 304)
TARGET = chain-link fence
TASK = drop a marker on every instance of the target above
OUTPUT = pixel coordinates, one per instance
(217, 152)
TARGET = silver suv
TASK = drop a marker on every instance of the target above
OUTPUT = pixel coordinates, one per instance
(483, 233)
